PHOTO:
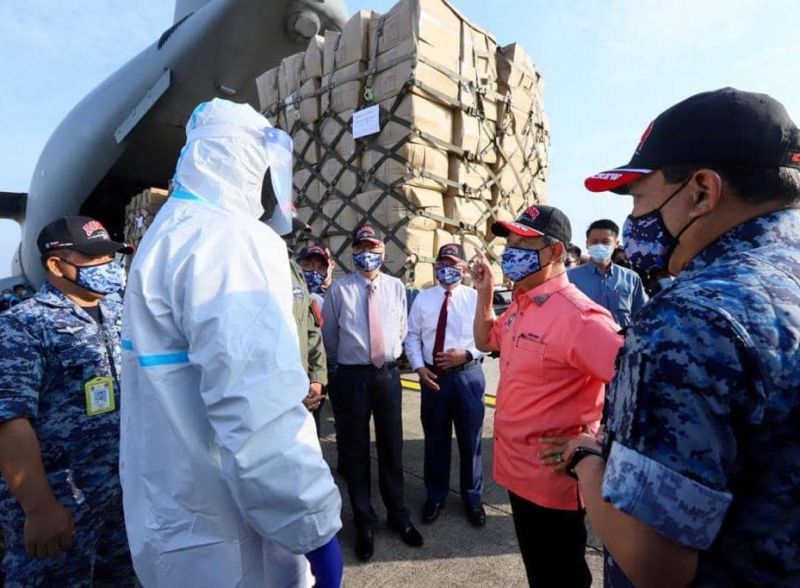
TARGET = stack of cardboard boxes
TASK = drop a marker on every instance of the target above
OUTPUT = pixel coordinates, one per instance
(458, 140)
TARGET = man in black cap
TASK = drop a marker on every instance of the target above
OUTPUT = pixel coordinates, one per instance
(441, 348)
(696, 480)
(60, 358)
(557, 351)
(364, 324)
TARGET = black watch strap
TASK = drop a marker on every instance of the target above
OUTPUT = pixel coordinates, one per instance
(578, 455)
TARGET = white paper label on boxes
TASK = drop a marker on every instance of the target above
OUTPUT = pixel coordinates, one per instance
(366, 121)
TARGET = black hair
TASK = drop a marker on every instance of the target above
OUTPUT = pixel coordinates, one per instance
(574, 250)
(753, 185)
(604, 225)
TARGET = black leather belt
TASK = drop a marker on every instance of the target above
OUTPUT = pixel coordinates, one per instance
(458, 368)
(368, 367)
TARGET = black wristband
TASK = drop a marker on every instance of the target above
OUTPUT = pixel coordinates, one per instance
(578, 455)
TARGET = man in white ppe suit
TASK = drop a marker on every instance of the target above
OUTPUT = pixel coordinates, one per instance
(223, 479)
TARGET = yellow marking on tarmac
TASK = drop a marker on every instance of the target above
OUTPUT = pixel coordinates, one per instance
(414, 385)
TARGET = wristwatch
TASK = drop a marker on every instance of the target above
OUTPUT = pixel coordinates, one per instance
(578, 455)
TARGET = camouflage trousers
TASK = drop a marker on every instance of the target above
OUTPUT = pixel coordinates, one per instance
(99, 555)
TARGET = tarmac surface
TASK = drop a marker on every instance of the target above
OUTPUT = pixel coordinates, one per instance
(455, 553)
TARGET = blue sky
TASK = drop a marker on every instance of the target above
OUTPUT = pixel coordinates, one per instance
(609, 66)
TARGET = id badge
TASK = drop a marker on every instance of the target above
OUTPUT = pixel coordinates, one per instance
(99, 395)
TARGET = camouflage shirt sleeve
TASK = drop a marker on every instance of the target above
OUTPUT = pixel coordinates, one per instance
(21, 370)
(672, 447)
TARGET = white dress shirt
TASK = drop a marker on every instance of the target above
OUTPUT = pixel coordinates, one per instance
(424, 318)
(345, 326)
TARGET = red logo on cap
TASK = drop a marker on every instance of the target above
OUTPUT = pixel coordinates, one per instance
(532, 212)
(795, 157)
(92, 227)
(450, 250)
(365, 229)
(645, 135)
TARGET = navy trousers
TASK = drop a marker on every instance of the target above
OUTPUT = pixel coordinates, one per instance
(358, 394)
(458, 403)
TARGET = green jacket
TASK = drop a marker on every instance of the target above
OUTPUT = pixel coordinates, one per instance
(312, 352)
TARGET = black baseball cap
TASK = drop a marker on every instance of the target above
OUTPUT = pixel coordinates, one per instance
(452, 251)
(726, 126)
(366, 233)
(314, 250)
(79, 233)
(538, 220)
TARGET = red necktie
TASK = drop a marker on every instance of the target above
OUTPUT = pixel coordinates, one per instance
(441, 327)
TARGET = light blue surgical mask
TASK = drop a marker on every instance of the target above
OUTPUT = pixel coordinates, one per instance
(448, 275)
(105, 278)
(600, 252)
(519, 263)
(368, 261)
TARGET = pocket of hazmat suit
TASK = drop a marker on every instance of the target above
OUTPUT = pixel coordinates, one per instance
(220, 464)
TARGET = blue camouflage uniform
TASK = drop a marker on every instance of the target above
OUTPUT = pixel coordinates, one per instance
(704, 412)
(49, 348)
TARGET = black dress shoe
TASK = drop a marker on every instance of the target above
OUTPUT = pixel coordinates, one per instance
(431, 511)
(409, 535)
(475, 514)
(365, 544)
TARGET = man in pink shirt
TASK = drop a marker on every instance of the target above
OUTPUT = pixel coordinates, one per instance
(557, 351)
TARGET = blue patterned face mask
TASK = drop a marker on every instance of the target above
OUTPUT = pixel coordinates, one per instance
(647, 241)
(520, 263)
(314, 281)
(447, 275)
(105, 278)
(368, 261)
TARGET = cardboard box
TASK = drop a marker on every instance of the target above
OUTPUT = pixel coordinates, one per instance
(472, 177)
(337, 180)
(427, 116)
(306, 152)
(309, 106)
(267, 88)
(515, 68)
(312, 59)
(390, 81)
(349, 46)
(306, 187)
(476, 136)
(404, 168)
(344, 89)
(472, 212)
(338, 136)
(433, 21)
(478, 54)
(291, 70)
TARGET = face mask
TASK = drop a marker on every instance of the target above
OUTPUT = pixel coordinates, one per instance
(665, 283)
(447, 275)
(520, 263)
(103, 279)
(648, 242)
(368, 261)
(314, 281)
(600, 252)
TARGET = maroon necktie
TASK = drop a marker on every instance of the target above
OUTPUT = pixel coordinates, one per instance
(441, 327)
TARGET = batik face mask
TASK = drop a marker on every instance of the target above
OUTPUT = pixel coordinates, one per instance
(314, 281)
(647, 241)
(520, 263)
(368, 261)
(448, 275)
(105, 278)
